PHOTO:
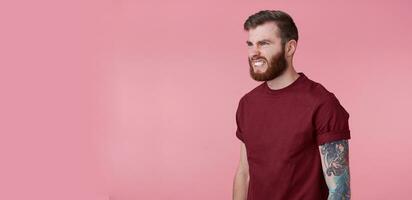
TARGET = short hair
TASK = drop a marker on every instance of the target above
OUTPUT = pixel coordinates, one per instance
(285, 23)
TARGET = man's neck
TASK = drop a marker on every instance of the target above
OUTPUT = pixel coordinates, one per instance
(287, 78)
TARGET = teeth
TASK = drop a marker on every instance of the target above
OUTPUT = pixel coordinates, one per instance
(258, 62)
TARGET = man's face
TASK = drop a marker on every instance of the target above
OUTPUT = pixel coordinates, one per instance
(266, 54)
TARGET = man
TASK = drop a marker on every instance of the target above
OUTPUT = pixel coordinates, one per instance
(294, 132)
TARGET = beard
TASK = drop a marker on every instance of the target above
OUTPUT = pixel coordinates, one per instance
(275, 67)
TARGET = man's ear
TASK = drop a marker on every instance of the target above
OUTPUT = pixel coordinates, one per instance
(291, 47)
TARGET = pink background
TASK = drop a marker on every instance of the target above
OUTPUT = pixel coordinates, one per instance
(127, 100)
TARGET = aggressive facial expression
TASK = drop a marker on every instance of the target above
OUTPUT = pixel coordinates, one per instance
(266, 54)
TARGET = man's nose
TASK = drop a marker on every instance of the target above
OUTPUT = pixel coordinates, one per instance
(254, 53)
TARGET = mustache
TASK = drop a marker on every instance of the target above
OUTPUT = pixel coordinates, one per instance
(257, 58)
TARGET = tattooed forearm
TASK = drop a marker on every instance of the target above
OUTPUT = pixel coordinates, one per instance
(335, 164)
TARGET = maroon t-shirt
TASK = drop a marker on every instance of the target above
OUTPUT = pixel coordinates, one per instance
(282, 130)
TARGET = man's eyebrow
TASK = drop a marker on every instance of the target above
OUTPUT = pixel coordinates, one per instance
(265, 40)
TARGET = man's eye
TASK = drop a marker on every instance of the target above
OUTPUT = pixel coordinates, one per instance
(260, 44)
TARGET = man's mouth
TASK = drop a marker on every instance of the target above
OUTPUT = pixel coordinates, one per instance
(258, 62)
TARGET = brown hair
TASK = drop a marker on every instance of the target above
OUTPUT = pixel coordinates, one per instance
(285, 23)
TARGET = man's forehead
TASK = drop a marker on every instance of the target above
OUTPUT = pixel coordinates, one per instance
(268, 31)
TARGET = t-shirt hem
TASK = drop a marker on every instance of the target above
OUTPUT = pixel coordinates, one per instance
(332, 136)
(239, 136)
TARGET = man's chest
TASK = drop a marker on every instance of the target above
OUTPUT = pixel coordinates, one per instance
(283, 129)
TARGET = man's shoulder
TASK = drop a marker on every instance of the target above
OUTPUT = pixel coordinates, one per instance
(311, 90)
(318, 90)
(252, 92)
(319, 93)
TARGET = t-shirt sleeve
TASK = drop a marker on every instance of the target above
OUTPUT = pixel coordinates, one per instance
(331, 121)
(239, 121)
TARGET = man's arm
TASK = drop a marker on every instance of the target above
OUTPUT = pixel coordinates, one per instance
(335, 164)
(241, 180)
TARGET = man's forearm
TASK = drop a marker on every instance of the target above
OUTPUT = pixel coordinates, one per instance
(341, 191)
(240, 186)
(335, 164)
(338, 196)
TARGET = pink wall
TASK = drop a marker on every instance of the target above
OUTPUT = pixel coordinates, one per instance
(126, 100)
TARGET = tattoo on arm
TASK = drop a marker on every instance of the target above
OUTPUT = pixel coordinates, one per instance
(335, 164)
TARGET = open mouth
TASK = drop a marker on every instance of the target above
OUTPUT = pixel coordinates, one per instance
(258, 62)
